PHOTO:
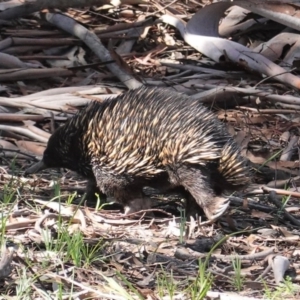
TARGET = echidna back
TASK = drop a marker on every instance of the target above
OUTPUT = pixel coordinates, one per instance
(143, 131)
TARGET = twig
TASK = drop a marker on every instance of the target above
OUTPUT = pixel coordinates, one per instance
(251, 204)
(266, 189)
(268, 111)
(273, 198)
(208, 95)
(255, 256)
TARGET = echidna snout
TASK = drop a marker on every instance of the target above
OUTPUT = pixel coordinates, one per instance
(35, 168)
(150, 136)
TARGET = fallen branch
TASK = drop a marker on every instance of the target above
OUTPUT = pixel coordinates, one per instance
(91, 40)
(38, 5)
(273, 198)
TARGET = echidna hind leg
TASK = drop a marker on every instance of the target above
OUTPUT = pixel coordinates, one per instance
(198, 183)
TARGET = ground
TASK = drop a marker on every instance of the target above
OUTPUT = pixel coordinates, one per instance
(55, 245)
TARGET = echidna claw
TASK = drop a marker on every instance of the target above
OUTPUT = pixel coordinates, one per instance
(219, 208)
(137, 205)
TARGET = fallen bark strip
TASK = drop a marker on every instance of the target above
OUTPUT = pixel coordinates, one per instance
(33, 6)
(18, 41)
(11, 75)
(21, 117)
(282, 183)
(227, 296)
(284, 11)
(24, 131)
(207, 96)
(36, 130)
(267, 111)
(57, 100)
(8, 61)
(219, 49)
(24, 49)
(92, 41)
(123, 27)
(255, 256)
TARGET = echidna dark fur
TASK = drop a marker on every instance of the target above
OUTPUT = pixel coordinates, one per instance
(146, 136)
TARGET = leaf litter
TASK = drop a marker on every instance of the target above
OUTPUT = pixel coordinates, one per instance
(240, 60)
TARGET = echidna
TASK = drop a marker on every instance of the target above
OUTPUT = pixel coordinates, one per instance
(149, 136)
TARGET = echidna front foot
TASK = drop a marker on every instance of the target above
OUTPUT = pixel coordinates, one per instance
(136, 205)
(125, 190)
(92, 190)
(216, 207)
